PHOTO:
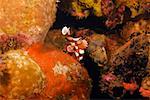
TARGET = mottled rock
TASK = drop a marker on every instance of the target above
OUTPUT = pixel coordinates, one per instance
(97, 49)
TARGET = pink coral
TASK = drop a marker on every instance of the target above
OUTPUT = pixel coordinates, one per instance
(130, 86)
(9, 42)
(109, 77)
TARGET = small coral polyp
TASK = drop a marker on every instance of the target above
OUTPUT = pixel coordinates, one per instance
(20, 76)
(13, 42)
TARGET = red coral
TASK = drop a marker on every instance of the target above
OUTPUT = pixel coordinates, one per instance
(130, 86)
(65, 78)
(144, 92)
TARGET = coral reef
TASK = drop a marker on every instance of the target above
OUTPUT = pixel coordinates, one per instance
(95, 48)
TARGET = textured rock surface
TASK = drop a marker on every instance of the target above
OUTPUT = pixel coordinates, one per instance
(29, 17)
(97, 50)
(20, 76)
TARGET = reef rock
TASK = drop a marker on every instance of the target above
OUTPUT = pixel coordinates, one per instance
(97, 50)
(32, 18)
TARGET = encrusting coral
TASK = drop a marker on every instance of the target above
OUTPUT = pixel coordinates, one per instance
(20, 76)
(65, 78)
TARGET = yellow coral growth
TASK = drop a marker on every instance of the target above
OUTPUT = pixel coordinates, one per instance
(82, 8)
(20, 77)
